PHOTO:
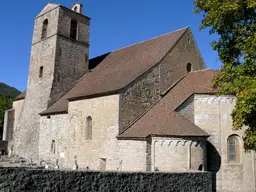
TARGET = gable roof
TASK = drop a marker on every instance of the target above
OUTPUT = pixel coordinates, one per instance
(20, 96)
(123, 66)
(47, 8)
(119, 68)
(162, 120)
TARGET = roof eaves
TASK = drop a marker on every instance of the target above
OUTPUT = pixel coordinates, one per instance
(94, 95)
(53, 113)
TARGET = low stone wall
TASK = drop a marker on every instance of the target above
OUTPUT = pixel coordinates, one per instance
(19, 179)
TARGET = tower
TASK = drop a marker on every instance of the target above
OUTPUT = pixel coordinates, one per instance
(59, 57)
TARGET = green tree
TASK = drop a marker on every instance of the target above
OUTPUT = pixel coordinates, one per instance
(4, 105)
(235, 23)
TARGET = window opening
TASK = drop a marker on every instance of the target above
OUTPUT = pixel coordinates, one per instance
(73, 29)
(88, 128)
(44, 29)
(41, 71)
(53, 147)
(189, 67)
(233, 149)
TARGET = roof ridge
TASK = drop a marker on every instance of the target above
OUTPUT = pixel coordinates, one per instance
(150, 39)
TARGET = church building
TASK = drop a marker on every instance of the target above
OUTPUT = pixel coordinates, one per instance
(144, 107)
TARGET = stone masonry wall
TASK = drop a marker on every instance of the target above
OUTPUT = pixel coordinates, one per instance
(164, 154)
(71, 61)
(17, 106)
(26, 136)
(139, 97)
(145, 91)
(8, 125)
(38, 92)
(213, 114)
(52, 181)
(187, 109)
(70, 65)
(8, 133)
(54, 128)
(174, 65)
(68, 132)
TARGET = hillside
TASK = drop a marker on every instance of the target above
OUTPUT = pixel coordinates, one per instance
(8, 92)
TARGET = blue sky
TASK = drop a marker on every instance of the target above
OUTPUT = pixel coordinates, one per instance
(114, 24)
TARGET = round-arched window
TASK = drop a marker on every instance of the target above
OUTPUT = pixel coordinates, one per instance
(88, 128)
(45, 28)
(189, 67)
(233, 150)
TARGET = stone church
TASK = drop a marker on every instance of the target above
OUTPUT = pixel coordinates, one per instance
(145, 107)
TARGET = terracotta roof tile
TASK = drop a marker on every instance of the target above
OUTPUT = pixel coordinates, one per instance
(119, 68)
(162, 118)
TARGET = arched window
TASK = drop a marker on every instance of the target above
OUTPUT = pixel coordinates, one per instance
(53, 147)
(233, 149)
(44, 29)
(88, 128)
(73, 29)
(41, 71)
(189, 67)
(75, 9)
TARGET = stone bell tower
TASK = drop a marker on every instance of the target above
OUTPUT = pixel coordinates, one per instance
(59, 57)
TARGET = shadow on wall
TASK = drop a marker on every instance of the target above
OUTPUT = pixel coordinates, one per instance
(213, 163)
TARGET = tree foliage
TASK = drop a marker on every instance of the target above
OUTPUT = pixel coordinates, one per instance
(235, 23)
(4, 105)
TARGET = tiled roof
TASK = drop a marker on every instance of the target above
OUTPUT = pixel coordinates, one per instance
(162, 120)
(20, 96)
(123, 66)
(119, 68)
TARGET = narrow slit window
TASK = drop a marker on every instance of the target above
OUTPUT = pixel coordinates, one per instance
(189, 67)
(53, 147)
(45, 28)
(41, 71)
(73, 29)
(88, 128)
